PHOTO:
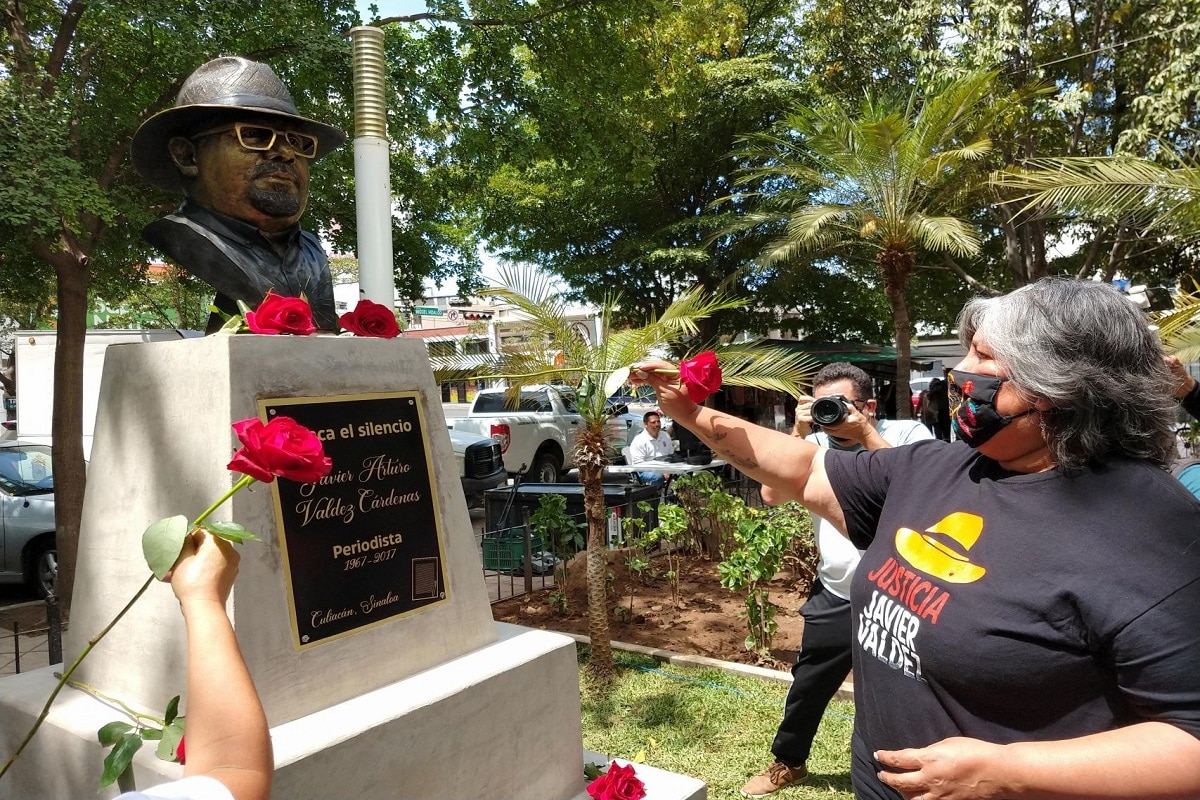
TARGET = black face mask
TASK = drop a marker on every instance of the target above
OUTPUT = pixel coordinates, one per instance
(972, 406)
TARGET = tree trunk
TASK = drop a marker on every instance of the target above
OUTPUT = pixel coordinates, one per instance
(71, 268)
(591, 478)
(896, 266)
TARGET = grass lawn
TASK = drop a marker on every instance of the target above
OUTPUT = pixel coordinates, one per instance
(709, 724)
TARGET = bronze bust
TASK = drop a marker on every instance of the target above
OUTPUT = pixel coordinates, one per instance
(237, 148)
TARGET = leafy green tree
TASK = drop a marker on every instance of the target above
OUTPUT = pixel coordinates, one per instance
(601, 134)
(885, 179)
(1083, 79)
(76, 80)
(589, 369)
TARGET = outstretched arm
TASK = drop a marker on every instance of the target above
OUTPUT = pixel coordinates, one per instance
(227, 734)
(793, 468)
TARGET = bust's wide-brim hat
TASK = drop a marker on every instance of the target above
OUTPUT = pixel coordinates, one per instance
(224, 90)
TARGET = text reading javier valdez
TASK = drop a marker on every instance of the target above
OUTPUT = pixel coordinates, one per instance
(363, 544)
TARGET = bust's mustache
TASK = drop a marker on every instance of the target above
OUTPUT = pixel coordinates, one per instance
(271, 167)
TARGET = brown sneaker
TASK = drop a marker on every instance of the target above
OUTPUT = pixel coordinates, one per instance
(775, 777)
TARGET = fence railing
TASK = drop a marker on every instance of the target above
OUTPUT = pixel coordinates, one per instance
(516, 562)
(34, 645)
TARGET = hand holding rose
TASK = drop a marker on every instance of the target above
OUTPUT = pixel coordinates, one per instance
(678, 396)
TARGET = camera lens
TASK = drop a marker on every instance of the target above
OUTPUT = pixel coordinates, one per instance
(828, 410)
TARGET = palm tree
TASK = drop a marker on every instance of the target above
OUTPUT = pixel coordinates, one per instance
(886, 178)
(1140, 192)
(553, 353)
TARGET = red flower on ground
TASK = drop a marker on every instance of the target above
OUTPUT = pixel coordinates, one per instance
(701, 376)
(279, 314)
(281, 447)
(371, 319)
(179, 754)
(618, 783)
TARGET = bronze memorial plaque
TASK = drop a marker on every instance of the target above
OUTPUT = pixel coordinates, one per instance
(363, 544)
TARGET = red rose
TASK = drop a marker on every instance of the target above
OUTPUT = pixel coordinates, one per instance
(282, 447)
(179, 755)
(371, 319)
(701, 376)
(279, 314)
(618, 783)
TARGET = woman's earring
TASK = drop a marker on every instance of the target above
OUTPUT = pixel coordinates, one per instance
(1043, 427)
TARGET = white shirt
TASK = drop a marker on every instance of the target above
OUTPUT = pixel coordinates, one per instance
(643, 448)
(838, 557)
(197, 787)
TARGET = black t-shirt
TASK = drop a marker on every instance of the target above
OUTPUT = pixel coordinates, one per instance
(1010, 607)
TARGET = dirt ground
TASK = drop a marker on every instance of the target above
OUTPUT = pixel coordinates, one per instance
(702, 619)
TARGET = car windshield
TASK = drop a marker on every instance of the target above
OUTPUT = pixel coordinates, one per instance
(26, 469)
(496, 402)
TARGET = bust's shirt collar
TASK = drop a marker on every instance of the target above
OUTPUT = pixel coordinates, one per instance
(231, 227)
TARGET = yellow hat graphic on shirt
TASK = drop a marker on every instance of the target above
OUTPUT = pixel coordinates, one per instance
(937, 558)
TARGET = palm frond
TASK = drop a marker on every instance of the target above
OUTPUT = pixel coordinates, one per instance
(1179, 328)
(941, 234)
(761, 366)
(1139, 190)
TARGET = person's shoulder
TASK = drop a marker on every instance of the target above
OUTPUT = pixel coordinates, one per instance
(903, 431)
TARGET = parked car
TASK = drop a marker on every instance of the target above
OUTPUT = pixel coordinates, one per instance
(480, 464)
(537, 438)
(918, 385)
(27, 516)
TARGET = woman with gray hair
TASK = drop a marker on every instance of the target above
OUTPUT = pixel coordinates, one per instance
(1025, 613)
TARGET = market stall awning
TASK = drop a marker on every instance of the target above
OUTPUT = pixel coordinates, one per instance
(878, 361)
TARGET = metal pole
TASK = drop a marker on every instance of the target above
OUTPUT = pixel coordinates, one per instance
(528, 553)
(372, 178)
(53, 630)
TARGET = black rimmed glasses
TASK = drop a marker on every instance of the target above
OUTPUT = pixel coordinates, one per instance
(262, 138)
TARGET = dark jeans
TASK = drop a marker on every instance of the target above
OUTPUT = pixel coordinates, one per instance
(821, 666)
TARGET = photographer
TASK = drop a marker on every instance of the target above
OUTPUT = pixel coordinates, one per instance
(844, 403)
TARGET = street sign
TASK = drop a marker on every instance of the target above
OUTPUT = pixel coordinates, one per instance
(427, 311)
(453, 315)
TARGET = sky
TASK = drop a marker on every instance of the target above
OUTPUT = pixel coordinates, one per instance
(391, 8)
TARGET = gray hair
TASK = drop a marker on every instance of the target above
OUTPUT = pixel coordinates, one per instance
(1088, 350)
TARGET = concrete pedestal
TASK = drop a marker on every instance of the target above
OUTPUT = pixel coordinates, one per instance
(162, 441)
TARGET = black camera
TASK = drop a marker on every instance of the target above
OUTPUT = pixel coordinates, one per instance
(830, 410)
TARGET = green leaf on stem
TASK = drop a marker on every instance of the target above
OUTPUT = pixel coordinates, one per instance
(110, 733)
(172, 710)
(119, 759)
(232, 325)
(615, 381)
(163, 542)
(230, 532)
(171, 734)
(151, 734)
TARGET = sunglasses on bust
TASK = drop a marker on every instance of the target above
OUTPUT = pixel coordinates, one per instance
(262, 138)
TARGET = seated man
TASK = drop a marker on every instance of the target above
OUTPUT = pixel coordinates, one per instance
(652, 444)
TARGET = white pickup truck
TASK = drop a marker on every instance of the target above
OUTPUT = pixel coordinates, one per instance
(538, 436)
